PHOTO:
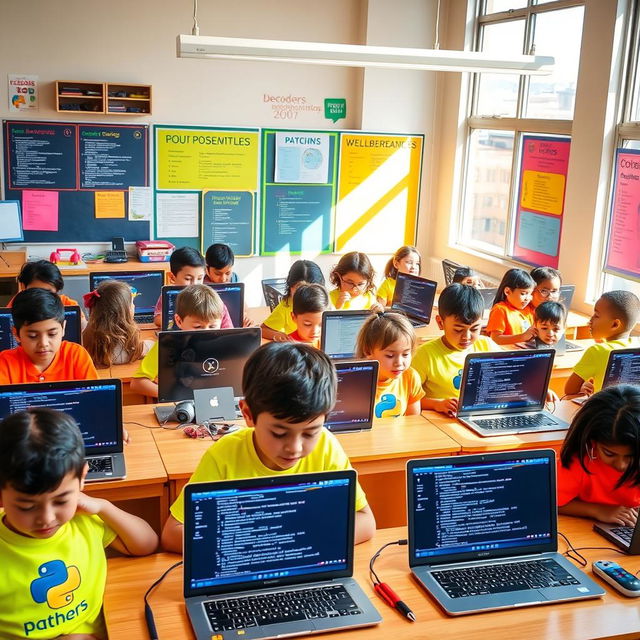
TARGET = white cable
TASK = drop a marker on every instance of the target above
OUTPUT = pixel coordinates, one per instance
(195, 31)
(436, 44)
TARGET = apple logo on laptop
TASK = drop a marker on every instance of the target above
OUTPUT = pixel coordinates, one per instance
(214, 401)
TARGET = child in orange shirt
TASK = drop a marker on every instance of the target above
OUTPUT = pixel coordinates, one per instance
(511, 318)
(43, 356)
(309, 301)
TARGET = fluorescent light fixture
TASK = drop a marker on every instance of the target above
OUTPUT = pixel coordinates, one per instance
(356, 55)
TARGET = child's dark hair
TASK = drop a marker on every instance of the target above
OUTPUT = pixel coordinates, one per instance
(540, 274)
(219, 256)
(38, 448)
(462, 301)
(390, 271)
(514, 279)
(36, 305)
(610, 417)
(185, 257)
(625, 305)
(310, 298)
(550, 311)
(302, 382)
(355, 262)
(305, 271)
(41, 270)
(463, 272)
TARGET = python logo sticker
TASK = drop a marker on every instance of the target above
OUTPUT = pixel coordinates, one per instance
(457, 380)
(55, 584)
(387, 402)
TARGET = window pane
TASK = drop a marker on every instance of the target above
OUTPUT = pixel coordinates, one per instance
(612, 283)
(487, 193)
(631, 144)
(557, 34)
(495, 6)
(498, 92)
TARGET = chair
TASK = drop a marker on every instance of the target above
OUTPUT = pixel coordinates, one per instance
(273, 290)
(449, 267)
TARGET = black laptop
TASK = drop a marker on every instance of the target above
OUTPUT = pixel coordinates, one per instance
(72, 329)
(339, 332)
(414, 297)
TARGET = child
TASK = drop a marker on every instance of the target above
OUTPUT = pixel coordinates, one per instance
(466, 275)
(390, 339)
(599, 465)
(353, 278)
(309, 301)
(405, 260)
(280, 323)
(439, 363)
(549, 319)
(52, 536)
(547, 285)
(112, 336)
(511, 318)
(219, 264)
(615, 314)
(288, 391)
(42, 356)
(197, 307)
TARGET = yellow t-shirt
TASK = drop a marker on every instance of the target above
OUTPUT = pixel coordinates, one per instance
(594, 360)
(149, 365)
(234, 457)
(363, 301)
(440, 368)
(386, 291)
(280, 318)
(54, 586)
(394, 395)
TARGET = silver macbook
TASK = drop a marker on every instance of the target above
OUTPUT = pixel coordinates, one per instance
(339, 332)
(627, 538)
(414, 297)
(258, 562)
(483, 533)
(504, 392)
(214, 404)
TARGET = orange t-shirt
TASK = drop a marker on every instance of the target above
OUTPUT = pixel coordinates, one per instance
(508, 320)
(72, 362)
(294, 335)
(597, 487)
(66, 301)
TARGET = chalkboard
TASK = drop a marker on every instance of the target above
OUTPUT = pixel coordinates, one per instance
(77, 160)
(227, 217)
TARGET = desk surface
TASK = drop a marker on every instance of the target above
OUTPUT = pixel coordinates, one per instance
(613, 616)
(85, 268)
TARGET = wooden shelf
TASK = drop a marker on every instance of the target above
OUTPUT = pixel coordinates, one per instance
(143, 103)
(103, 102)
(84, 103)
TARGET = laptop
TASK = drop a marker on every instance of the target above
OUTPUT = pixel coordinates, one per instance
(215, 404)
(624, 537)
(258, 563)
(483, 533)
(503, 393)
(355, 399)
(148, 286)
(72, 329)
(96, 406)
(561, 347)
(623, 367)
(231, 294)
(566, 295)
(414, 297)
(339, 332)
(273, 290)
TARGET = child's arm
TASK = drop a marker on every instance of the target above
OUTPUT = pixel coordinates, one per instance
(157, 319)
(272, 334)
(573, 385)
(613, 513)
(448, 406)
(365, 525)
(144, 387)
(342, 299)
(413, 409)
(134, 536)
(499, 338)
(172, 532)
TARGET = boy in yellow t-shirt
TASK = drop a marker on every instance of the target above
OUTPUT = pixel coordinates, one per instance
(52, 537)
(289, 388)
(439, 363)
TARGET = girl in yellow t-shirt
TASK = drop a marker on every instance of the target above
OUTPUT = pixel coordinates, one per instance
(353, 278)
(405, 260)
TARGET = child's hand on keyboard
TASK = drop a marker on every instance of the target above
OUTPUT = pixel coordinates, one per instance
(615, 514)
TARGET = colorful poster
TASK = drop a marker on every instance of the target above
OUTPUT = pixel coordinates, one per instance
(623, 244)
(109, 204)
(23, 93)
(177, 215)
(543, 175)
(40, 210)
(302, 157)
(227, 217)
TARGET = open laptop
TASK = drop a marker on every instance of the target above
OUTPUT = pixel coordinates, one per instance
(148, 286)
(231, 294)
(414, 297)
(483, 532)
(339, 332)
(273, 290)
(561, 347)
(504, 393)
(624, 537)
(72, 329)
(355, 399)
(217, 403)
(95, 405)
(257, 563)
(566, 295)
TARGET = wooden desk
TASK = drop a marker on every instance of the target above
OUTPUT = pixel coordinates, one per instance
(613, 616)
(564, 365)
(86, 268)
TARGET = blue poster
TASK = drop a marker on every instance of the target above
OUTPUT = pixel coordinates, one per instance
(227, 218)
(539, 233)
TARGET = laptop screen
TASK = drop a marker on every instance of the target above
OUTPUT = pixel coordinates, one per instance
(566, 295)
(148, 285)
(505, 382)
(356, 395)
(623, 367)
(476, 504)
(339, 332)
(96, 405)
(260, 531)
(72, 332)
(414, 296)
(190, 360)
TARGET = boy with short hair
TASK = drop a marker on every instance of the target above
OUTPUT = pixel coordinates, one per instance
(43, 355)
(219, 264)
(197, 307)
(549, 320)
(309, 302)
(289, 388)
(440, 362)
(52, 537)
(615, 313)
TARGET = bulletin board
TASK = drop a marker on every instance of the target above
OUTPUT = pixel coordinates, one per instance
(73, 179)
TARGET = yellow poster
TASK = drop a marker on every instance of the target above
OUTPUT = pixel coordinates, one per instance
(378, 190)
(542, 191)
(109, 204)
(199, 159)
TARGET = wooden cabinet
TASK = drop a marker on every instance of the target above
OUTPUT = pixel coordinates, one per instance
(128, 99)
(103, 97)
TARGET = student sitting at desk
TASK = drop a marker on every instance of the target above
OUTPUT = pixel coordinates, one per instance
(549, 319)
(42, 356)
(309, 302)
(288, 391)
(53, 568)
(548, 282)
(405, 260)
(353, 278)
(197, 307)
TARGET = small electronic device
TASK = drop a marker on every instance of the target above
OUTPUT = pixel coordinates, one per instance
(57, 256)
(620, 579)
(154, 250)
(414, 297)
(340, 331)
(117, 253)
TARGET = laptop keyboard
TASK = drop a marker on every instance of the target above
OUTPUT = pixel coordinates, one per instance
(283, 606)
(625, 533)
(512, 576)
(516, 422)
(144, 318)
(100, 465)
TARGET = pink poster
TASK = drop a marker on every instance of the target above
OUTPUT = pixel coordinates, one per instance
(623, 245)
(543, 178)
(39, 210)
